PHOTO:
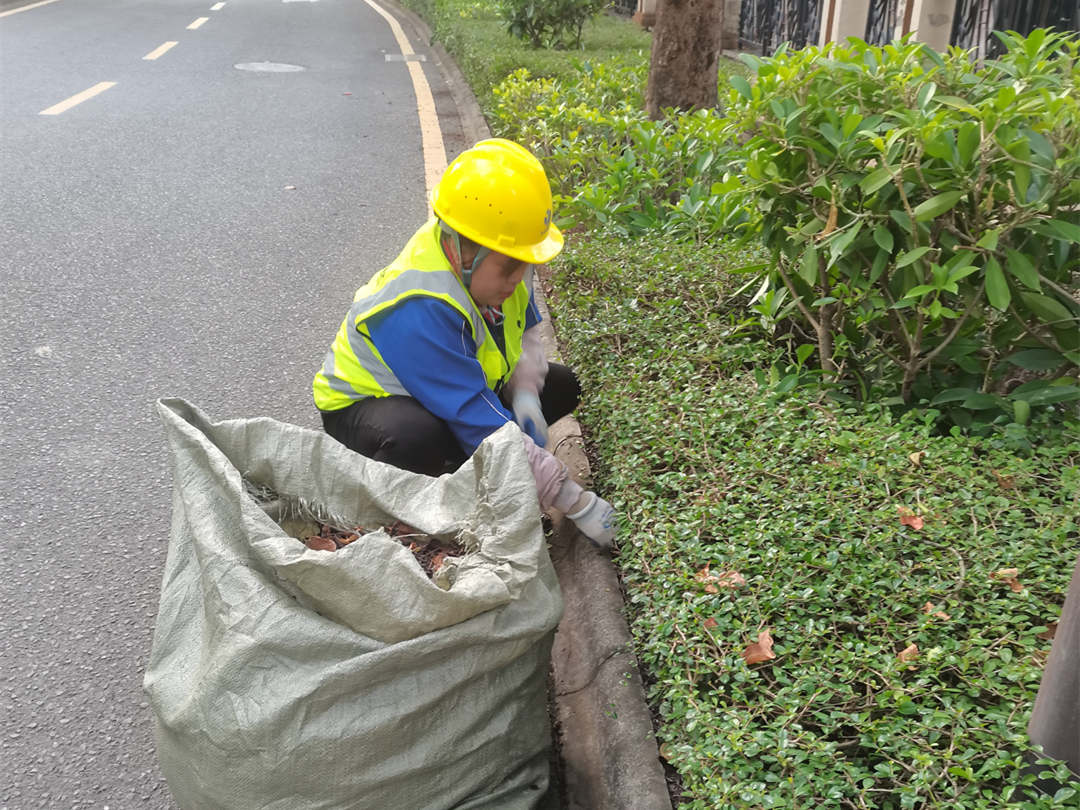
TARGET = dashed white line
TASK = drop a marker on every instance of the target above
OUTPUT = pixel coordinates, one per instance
(78, 98)
(159, 50)
(197, 23)
(217, 7)
(26, 8)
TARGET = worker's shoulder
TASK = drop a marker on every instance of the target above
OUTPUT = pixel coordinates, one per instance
(420, 311)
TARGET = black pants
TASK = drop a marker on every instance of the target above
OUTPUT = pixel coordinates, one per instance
(400, 431)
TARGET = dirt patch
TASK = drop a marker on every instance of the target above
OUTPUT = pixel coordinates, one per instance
(429, 551)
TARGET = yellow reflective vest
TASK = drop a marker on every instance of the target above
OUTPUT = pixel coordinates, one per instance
(353, 368)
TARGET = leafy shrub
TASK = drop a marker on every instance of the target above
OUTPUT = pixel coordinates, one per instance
(550, 23)
(922, 216)
(611, 166)
(571, 124)
(805, 500)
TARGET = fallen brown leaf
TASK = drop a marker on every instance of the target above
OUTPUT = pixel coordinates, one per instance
(710, 623)
(760, 650)
(916, 458)
(909, 653)
(1005, 481)
(914, 521)
(928, 609)
(730, 579)
(665, 751)
(1048, 633)
(437, 560)
(1008, 576)
(713, 582)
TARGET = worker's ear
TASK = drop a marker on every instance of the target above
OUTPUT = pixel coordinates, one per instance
(451, 252)
(469, 249)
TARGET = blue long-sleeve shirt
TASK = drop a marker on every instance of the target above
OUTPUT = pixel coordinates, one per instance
(429, 347)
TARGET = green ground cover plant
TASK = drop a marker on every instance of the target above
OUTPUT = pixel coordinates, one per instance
(858, 535)
(905, 580)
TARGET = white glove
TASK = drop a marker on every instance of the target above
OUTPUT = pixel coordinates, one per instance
(530, 416)
(595, 520)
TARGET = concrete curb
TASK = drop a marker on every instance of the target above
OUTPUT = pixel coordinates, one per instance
(608, 753)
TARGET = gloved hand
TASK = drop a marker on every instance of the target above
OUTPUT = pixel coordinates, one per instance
(530, 416)
(595, 518)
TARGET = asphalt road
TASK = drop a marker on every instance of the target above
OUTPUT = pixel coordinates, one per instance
(193, 230)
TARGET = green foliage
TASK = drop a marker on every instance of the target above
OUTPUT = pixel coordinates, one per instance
(570, 123)
(611, 166)
(922, 216)
(474, 34)
(710, 466)
(550, 23)
(707, 468)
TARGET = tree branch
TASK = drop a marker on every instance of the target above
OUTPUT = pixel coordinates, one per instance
(805, 310)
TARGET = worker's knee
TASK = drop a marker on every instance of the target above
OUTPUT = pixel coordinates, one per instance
(424, 445)
(396, 430)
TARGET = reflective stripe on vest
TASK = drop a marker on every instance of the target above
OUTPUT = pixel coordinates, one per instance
(353, 368)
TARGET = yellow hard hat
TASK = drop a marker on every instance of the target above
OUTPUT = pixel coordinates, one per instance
(497, 195)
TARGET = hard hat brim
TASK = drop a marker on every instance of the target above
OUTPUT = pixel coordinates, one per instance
(540, 253)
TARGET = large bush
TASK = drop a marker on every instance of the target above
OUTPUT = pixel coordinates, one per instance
(922, 216)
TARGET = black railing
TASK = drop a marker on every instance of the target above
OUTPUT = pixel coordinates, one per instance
(765, 24)
(884, 21)
(976, 19)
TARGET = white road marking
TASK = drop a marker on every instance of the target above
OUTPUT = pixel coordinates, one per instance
(197, 23)
(430, 132)
(217, 7)
(26, 8)
(159, 50)
(78, 98)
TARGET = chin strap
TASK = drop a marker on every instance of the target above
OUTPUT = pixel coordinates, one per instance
(481, 253)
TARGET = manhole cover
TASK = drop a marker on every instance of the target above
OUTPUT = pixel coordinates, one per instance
(269, 67)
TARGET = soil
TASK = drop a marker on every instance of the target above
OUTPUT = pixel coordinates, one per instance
(429, 551)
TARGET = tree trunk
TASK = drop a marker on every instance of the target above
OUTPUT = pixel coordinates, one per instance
(685, 55)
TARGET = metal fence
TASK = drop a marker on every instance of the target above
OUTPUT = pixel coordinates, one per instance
(765, 24)
(975, 20)
(885, 20)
